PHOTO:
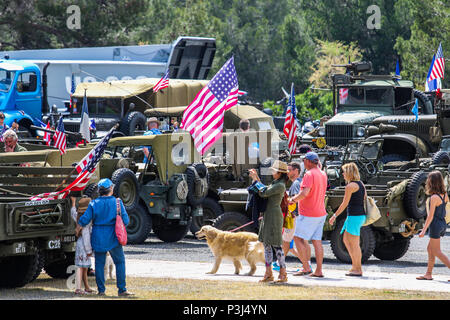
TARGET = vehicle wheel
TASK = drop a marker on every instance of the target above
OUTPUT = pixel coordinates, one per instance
(91, 191)
(58, 269)
(415, 198)
(40, 265)
(232, 220)
(195, 197)
(424, 102)
(211, 210)
(392, 250)
(367, 243)
(133, 121)
(18, 271)
(170, 232)
(126, 187)
(140, 225)
(393, 157)
(441, 157)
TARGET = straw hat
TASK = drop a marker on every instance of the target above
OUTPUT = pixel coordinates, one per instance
(83, 204)
(279, 166)
(153, 119)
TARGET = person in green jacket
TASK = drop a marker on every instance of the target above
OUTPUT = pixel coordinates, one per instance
(271, 226)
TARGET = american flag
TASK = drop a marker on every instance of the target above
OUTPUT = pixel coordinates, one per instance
(162, 83)
(437, 70)
(4, 128)
(203, 118)
(60, 137)
(343, 95)
(47, 135)
(85, 168)
(72, 91)
(290, 125)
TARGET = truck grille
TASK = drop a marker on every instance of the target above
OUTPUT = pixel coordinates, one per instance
(337, 135)
(72, 127)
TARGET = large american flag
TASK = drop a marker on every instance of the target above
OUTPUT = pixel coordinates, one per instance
(60, 137)
(290, 125)
(162, 83)
(437, 71)
(85, 168)
(203, 118)
(343, 95)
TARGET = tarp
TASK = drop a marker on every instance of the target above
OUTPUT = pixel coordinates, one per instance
(179, 92)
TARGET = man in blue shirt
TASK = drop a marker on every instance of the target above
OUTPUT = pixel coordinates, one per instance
(152, 125)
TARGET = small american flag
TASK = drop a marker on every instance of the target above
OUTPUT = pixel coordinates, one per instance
(203, 118)
(290, 125)
(343, 95)
(60, 137)
(4, 128)
(85, 168)
(437, 71)
(47, 135)
(162, 83)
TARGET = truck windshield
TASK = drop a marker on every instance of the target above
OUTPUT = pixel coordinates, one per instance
(6, 79)
(365, 96)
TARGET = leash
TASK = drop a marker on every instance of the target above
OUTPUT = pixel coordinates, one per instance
(244, 225)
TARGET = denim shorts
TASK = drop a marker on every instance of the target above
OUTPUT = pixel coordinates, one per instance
(309, 228)
(353, 224)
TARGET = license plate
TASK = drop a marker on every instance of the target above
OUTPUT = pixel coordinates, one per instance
(54, 244)
(20, 247)
(68, 239)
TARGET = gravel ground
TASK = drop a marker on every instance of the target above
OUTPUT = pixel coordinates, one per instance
(191, 249)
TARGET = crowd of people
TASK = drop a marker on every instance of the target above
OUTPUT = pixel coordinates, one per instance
(307, 196)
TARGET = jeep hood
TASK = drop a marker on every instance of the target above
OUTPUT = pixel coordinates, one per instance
(354, 117)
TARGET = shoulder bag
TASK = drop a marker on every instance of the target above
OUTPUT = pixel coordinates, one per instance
(121, 231)
(372, 211)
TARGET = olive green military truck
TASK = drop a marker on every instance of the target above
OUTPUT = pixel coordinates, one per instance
(360, 99)
(35, 235)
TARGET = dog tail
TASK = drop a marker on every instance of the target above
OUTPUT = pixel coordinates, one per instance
(255, 246)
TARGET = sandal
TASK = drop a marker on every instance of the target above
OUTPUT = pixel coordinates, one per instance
(423, 278)
(267, 279)
(80, 292)
(316, 275)
(89, 291)
(303, 273)
(351, 274)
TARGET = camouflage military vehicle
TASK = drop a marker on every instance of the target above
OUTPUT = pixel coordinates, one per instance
(35, 235)
(411, 138)
(398, 189)
(230, 158)
(360, 98)
(163, 193)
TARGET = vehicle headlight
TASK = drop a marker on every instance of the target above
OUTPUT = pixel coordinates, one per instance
(322, 131)
(360, 132)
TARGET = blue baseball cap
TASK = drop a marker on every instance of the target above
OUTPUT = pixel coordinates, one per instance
(105, 183)
(312, 156)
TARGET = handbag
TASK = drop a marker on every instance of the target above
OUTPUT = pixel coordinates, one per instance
(284, 203)
(289, 217)
(372, 211)
(121, 231)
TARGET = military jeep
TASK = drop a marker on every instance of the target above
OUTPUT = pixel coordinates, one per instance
(162, 193)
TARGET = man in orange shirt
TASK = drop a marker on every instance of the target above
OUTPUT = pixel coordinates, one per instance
(312, 214)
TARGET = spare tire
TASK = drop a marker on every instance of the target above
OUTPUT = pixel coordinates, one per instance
(133, 121)
(415, 198)
(197, 186)
(441, 157)
(424, 102)
(126, 187)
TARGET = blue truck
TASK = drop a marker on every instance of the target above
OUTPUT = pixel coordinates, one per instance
(36, 83)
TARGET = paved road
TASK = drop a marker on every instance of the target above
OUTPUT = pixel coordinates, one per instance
(191, 249)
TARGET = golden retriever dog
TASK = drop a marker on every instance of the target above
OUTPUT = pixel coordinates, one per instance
(235, 246)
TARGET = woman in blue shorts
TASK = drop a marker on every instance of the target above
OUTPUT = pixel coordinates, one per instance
(355, 194)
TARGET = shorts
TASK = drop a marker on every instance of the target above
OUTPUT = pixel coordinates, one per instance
(353, 224)
(288, 234)
(437, 230)
(309, 228)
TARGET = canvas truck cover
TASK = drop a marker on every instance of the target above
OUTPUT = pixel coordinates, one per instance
(179, 92)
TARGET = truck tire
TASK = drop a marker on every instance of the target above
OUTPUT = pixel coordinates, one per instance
(169, 232)
(193, 198)
(58, 269)
(211, 210)
(441, 157)
(232, 220)
(40, 265)
(367, 243)
(91, 191)
(140, 225)
(415, 198)
(18, 271)
(133, 120)
(424, 102)
(392, 250)
(126, 187)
